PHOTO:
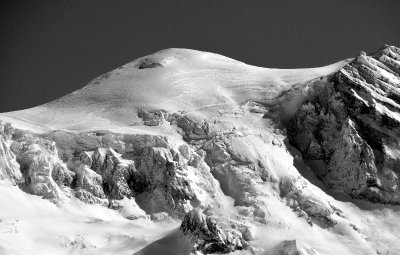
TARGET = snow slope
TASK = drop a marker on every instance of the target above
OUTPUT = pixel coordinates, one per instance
(186, 80)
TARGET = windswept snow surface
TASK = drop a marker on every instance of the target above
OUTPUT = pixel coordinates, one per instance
(186, 80)
(216, 126)
(32, 225)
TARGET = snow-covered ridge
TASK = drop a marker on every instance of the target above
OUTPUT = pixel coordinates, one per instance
(230, 158)
(180, 79)
(353, 126)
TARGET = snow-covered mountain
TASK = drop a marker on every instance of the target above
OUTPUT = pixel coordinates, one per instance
(185, 151)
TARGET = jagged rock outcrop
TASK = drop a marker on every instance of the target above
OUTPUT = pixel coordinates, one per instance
(89, 186)
(38, 159)
(152, 118)
(352, 125)
(160, 181)
(208, 236)
(113, 171)
(292, 247)
(148, 63)
(9, 167)
(312, 208)
(191, 129)
(149, 170)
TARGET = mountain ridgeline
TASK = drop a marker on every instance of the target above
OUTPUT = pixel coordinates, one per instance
(243, 159)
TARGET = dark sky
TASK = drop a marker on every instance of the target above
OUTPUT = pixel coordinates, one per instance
(51, 48)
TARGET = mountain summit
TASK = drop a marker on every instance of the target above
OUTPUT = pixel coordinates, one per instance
(172, 80)
(190, 152)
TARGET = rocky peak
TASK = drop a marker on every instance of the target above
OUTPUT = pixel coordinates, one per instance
(352, 126)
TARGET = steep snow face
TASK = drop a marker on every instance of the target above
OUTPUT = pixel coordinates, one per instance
(190, 151)
(173, 80)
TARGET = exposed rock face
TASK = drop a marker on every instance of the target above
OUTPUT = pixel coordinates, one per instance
(161, 182)
(352, 125)
(208, 236)
(152, 118)
(111, 170)
(191, 129)
(149, 170)
(9, 168)
(148, 63)
(312, 208)
(293, 247)
(89, 185)
(38, 159)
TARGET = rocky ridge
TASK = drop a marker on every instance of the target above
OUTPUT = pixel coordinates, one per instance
(351, 125)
